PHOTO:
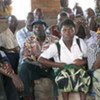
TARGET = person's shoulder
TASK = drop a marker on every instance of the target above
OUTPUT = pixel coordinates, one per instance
(53, 46)
(76, 37)
(7, 33)
(80, 39)
(52, 38)
(21, 30)
(92, 32)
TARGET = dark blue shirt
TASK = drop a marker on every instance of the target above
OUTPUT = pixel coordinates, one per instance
(3, 57)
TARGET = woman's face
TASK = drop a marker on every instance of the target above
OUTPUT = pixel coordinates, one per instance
(67, 32)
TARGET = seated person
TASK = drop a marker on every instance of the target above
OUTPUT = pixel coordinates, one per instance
(13, 23)
(11, 81)
(9, 45)
(96, 67)
(70, 53)
(24, 32)
(30, 70)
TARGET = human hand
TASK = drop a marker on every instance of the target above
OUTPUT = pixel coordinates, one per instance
(7, 68)
(78, 62)
(17, 82)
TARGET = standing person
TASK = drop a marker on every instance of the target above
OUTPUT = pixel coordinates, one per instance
(64, 7)
(10, 81)
(70, 53)
(23, 33)
(33, 46)
(78, 9)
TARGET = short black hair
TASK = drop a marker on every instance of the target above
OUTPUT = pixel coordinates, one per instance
(39, 22)
(63, 13)
(67, 22)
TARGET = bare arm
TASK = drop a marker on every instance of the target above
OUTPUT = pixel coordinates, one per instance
(48, 63)
(80, 62)
(6, 70)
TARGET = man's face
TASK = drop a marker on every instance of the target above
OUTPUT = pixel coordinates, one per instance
(67, 32)
(30, 19)
(39, 29)
(12, 21)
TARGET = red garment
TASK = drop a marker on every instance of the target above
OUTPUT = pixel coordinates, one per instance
(54, 31)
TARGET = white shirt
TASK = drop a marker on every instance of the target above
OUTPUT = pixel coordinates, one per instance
(92, 40)
(67, 56)
(21, 36)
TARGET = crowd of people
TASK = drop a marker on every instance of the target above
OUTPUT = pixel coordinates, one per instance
(31, 53)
